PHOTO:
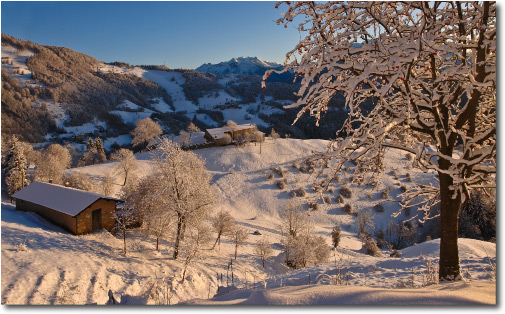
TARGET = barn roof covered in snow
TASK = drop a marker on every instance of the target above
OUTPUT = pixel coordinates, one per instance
(60, 198)
(219, 132)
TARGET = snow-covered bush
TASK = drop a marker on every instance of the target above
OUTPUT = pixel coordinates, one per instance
(345, 192)
(281, 184)
(270, 176)
(127, 163)
(335, 236)
(385, 193)
(54, 161)
(313, 205)
(79, 180)
(348, 208)
(340, 199)
(327, 199)
(370, 247)
(300, 192)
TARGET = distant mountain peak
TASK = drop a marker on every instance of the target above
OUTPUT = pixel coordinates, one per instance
(239, 65)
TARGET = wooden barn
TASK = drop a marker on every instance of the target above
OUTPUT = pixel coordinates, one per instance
(75, 210)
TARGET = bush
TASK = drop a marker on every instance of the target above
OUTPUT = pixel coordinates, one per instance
(370, 247)
(279, 171)
(303, 168)
(409, 156)
(292, 194)
(379, 208)
(345, 192)
(313, 205)
(331, 190)
(385, 194)
(270, 176)
(335, 236)
(408, 177)
(340, 199)
(281, 184)
(300, 192)
(348, 208)
(327, 199)
(403, 188)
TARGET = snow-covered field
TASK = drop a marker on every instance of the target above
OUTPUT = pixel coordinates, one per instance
(41, 264)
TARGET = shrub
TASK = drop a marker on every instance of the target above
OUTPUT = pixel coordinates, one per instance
(303, 168)
(403, 188)
(327, 199)
(313, 205)
(370, 247)
(379, 208)
(369, 195)
(409, 157)
(270, 176)
(348, 208)
(292, 194)
(336, 178)
(385, 194)
(331, 190)
(408, 177)
(345, 192)
(281, 184)
(279, 171)
(300, 192)
(340, 199)
(335, 236)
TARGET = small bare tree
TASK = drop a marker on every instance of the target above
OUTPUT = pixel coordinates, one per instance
(55, 160)
(238, 236)
(263, 249)
(197, 238)
(192, 128)
(223, 223)
(124, 218)
(127, 163)
(274, 134)
(185, 138)
(232, 126)
(145, 130)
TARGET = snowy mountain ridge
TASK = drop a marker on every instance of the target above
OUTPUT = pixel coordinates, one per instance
(241, 65)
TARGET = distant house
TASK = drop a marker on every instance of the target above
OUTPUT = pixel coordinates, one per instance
(218, 136)
(75, 210)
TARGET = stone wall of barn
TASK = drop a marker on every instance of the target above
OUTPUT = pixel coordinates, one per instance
(58, 218)
(85, 218)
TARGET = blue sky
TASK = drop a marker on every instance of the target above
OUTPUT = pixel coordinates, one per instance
(180, 34)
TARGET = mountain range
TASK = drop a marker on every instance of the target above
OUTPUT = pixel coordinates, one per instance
(241, 65)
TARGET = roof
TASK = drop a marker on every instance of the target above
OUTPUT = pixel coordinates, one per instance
(219, 132)
(63, 199)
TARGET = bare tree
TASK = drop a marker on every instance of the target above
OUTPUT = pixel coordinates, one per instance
(274, 134)
(54, 161)
(192, 128)
(238, 236)
(416, 76)
(124, 218)
(197, 238)
(183, 187)
(145, 130)
(127, 163)
(232, 126)
(263, 249)
(185, 138)
(223, 223)
(108, 184)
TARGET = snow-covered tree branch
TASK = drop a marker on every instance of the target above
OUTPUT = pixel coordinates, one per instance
(419, 76)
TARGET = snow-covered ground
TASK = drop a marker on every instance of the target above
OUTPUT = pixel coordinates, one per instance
(18, 68)
(41, 264)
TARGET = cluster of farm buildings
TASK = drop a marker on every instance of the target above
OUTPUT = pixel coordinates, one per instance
(81, 212)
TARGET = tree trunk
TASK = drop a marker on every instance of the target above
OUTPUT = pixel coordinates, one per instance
(124, 241)
(217, 239)
(125, 176)
(178, 236)
(157, 242)
(236, 248)
(449, 268)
